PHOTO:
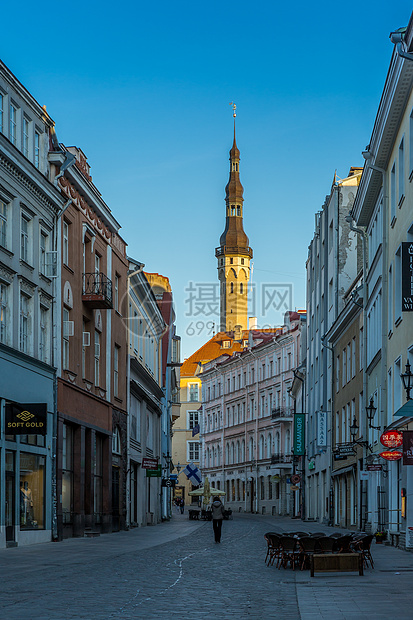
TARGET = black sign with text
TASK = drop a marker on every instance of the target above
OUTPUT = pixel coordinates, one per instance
(26, 419)
(407, 277)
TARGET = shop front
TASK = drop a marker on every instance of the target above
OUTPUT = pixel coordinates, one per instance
(26, 408)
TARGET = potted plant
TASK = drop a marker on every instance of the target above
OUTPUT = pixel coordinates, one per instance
(380, 535)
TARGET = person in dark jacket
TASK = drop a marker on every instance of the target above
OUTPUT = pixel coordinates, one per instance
(217, 517)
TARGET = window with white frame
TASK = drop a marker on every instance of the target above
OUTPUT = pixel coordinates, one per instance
(116, 443)
(348, 363)
(25, 237)
(97, 358)
(193, 419)
(24, 323)
(65, 243)
(43, 249)
(193, 392)
(3, 313)
(84, 328)
(401, 172)
(393, 193)
(374, 327)
(361, 349)
(116, 372)
(398, 285)
(65, 342)
(26, 136)
(337, 373)
(37, 149)
(116, 294)
(397, 397)
(353, 357)
(3, 222)
(13, 124)
(344, 368)
(390, 300)
(193, 451)
(44, 335)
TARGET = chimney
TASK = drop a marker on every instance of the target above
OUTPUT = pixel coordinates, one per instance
(252, 322)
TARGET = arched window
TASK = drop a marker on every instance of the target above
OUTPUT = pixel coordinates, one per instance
(269, 445)
(232, 210)
(251, 449)
(238, 452)
(116, 444)
(261, 447)
(287, 442)
(243, 450)
(227, 454)
(277, 443)
(238, 210)
(232, 453)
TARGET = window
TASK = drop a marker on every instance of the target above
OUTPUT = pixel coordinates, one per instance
(116, 444)
(193, 392)
(97, 476)
(84, 349)
(97, 358)
(37, 149)
(67, 473)
(353, 357)
(32, 480)
(193, 451)
(43, 250)
(390, 301)
(116, 295)
(348, 363)
(26, 126)
(43, 335)
(232, 287)
(193, 419)
(13, 124)
(135, 413)
(1, 112)
(65, 243)
(398, 285)
(393, 193)
(241, 288)
(344, 368)
(65, 351)
(401, 172)
(410, 143)
(24, 323)
(3, 313)
(24, 237)
(3, 223)
(116, 372)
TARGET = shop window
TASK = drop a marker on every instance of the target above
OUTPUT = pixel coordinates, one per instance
(32, 481)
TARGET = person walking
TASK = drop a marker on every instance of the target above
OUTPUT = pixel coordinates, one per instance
(217, 517)
(182, 506)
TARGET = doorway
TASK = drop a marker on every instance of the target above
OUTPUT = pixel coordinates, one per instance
(115, 499)
(10, 498)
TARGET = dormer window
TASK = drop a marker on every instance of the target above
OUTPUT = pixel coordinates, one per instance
(226, 344)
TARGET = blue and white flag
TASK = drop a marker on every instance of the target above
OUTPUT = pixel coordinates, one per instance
(195, 430)
(193, 474)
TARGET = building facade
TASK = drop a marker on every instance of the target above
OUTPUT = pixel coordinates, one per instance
(29, 208)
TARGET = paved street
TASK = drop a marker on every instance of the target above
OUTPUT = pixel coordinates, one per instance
(176, 569)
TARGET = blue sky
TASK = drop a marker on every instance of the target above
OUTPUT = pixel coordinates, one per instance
(144, 90)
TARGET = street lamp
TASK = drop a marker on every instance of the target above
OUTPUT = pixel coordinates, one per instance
(178, 467)
(371, 412)
(361, 442)
(407, 378)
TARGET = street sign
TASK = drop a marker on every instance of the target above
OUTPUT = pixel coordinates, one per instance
(167, 483)
(299, 426)
(173, 476)
(295, 478)
(344, 449)
(149, 463)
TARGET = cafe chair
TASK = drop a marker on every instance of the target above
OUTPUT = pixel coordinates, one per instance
(289, 551)
(307, 546)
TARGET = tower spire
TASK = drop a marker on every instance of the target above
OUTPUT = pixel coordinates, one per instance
(234, 253)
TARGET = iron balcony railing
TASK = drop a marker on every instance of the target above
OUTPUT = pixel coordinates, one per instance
(227, 249)
(280, 412)
(280, 458)
(97, 290)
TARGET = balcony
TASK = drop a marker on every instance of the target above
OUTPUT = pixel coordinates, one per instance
(227, 249)
(97, 291)
(281, 414)
(281, 459)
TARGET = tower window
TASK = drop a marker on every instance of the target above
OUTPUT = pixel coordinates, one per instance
(232, 287)
(231, 260)
(241, 288)
(238, 210)
(222, 261)
(242, 261)
(232, 210)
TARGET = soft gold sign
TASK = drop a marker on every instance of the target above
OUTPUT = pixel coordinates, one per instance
(26, 419)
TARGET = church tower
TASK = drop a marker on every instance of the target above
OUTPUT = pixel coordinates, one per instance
(234, 253)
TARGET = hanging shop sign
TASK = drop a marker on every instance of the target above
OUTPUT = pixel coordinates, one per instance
(392, 439)
(374, 467)
(295, 478)
(154, 473)
(391, 456)
(407, 277)
(26, 418)
(299, 426)
(149, 463)
(322, 429)
(408, 448)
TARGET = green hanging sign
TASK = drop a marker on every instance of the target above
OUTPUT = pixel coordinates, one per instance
(154, 473)
(299, 434)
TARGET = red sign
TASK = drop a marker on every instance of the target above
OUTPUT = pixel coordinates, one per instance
(149, 463)
(391, 456)
(392, 439)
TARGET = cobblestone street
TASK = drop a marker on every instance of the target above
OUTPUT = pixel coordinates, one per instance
(175, 569)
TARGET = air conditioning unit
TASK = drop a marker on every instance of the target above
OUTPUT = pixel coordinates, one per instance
(86, 339)
(68, 328)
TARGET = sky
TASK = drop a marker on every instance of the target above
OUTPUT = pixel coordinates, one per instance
(144, 90)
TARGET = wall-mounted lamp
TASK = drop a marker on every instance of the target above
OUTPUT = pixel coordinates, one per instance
(371, 412)
(353, 432)
(407, 379)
